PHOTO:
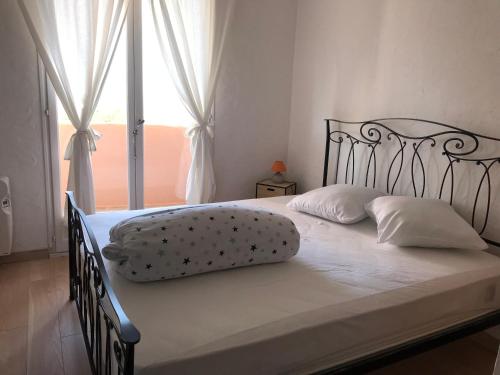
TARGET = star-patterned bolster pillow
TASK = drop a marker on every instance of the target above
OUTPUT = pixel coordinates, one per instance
(183, 242)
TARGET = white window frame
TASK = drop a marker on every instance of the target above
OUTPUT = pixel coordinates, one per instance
(135, 116)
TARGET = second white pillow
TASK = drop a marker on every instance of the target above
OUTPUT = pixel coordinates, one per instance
(407, 221)
(339, 203)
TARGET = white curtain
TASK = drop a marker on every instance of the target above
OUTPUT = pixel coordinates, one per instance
(76, 40)
(191, 34)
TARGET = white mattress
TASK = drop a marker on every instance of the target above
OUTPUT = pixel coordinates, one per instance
(341, 297)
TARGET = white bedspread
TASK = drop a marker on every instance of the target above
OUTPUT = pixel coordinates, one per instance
(342, 296)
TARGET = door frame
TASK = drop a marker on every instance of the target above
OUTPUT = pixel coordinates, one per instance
(56, 228)
(135, 116)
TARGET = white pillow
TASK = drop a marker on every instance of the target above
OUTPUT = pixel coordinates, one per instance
(407, 221)
(339, 203)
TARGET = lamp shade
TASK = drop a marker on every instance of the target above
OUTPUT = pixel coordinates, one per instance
(279, 166)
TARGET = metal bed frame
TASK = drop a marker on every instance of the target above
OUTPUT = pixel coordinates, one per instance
(110, 337)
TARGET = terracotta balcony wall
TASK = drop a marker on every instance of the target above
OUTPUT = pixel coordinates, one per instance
(167, 158)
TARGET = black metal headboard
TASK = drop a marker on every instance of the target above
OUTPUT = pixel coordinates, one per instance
(405, 144)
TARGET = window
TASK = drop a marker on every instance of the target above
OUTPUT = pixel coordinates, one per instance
(137, 164)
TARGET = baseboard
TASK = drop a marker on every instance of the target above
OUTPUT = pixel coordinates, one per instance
(25, 256)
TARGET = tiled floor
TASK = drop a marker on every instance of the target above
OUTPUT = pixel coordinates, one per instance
(39, 328)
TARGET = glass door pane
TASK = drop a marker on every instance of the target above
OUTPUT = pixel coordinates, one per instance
(166, 147)
(110, 161)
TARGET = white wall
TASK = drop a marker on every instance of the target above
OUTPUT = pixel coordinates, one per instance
(357, 59)
(253, 96)
(21, 153)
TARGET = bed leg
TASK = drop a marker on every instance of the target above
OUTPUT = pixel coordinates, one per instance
(71, 251)
(129, 360)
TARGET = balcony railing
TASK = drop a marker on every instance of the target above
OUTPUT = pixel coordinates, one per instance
(166, 164)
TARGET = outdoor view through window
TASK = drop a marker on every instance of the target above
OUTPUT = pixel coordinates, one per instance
(166, 153)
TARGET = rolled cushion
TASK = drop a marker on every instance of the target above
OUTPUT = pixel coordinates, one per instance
(183, 242)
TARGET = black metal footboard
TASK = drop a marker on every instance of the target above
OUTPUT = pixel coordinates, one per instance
(109, 336)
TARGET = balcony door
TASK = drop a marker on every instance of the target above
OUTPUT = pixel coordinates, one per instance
(143, 155)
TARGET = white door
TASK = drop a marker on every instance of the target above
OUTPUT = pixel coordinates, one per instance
(159, 149)
(143, 156)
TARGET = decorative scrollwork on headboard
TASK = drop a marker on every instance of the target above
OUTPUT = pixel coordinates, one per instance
(405, 143)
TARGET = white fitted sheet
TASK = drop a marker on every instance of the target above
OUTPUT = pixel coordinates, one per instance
(341, 297)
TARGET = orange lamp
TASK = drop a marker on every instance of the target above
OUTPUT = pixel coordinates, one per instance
(278, 167)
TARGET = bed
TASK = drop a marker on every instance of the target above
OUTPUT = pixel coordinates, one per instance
(343, 304)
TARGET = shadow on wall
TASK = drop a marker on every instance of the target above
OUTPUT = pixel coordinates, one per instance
(166, 164)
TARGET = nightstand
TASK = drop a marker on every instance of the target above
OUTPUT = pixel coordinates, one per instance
(269, 188)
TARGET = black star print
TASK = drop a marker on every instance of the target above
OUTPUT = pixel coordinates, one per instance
(274, 251)
(232, 217)
(134, 273)
(209, 263)
(191, 229)
(221, 253)
(148, 266)
(186, 261)
(183, 273)
(164, 240)
(235, 229)
(233, 264)
(250, 260)
(255, 219)
(138, 229)
(284, 243)
(163, 228)
(212, 218)
(253, 247)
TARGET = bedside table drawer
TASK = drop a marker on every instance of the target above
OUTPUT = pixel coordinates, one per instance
(264, 191)
(269, 188)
